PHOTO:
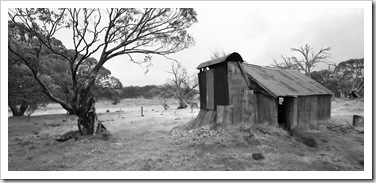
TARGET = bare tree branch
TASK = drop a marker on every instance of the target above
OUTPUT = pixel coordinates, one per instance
(310, 59)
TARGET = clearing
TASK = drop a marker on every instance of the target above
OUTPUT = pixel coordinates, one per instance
(160, 142)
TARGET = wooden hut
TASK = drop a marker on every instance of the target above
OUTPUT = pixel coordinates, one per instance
(232, 92)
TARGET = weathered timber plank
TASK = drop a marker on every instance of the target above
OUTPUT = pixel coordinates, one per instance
(207, 118)
(199, 118)
(252, 106)
(245, 106)
(314, 107)
(210, 89)
(291, 110)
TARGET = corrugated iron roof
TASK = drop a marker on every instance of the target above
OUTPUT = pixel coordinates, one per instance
(231, 57)
(281, 82)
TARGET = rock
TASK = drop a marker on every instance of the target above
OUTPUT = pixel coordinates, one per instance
(358, 121)
(107, 110)
(300, 154)
(309, 141)
(258, 156)
(69, 135)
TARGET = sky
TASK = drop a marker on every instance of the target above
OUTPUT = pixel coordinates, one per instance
(259, 36)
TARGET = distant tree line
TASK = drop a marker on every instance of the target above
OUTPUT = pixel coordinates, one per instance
(345, 79)
(138, 91)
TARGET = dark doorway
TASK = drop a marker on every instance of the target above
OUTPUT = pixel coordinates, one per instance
(281, 112)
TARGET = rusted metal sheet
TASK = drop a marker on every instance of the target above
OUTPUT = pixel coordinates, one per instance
(246, 79)
(202, 88)
(281, 82)
(224, 115)
(210, 89)
(231, 57)
(236, 86)
(248, 107)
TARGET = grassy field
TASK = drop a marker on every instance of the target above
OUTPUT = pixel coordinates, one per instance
(161, 142)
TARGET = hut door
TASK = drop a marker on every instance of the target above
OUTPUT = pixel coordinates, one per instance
(281, 112)
(210, 89)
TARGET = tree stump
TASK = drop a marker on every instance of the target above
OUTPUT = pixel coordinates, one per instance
(358, 121)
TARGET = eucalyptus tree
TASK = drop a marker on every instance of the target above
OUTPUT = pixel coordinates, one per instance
(309, 59)
(112, 32)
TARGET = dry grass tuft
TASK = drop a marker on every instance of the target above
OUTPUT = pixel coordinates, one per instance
(244, 134)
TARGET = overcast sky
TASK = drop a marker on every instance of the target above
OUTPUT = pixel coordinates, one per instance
(259, 35)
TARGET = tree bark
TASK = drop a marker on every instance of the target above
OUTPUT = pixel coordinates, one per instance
(182, 104)
(23, 107)
(88, 123)
(19, 111)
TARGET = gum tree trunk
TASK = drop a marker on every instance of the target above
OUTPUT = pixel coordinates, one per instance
(88, 123)
(19, 111)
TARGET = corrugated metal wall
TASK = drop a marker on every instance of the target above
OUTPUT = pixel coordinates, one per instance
(236, 87)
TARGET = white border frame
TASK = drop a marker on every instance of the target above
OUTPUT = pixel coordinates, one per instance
(366, 174)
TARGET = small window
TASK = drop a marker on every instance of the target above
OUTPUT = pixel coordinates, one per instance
(280, 100)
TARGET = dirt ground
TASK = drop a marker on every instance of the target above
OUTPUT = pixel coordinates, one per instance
(162, 142)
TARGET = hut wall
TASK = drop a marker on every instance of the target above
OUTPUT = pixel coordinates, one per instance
(220, 85)
(291, 110)
(267, 109)
(304, 109)
(324, 106)
(213, 87)
(313, 108)
(236, 87)
(249, 107)
(202, 88)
